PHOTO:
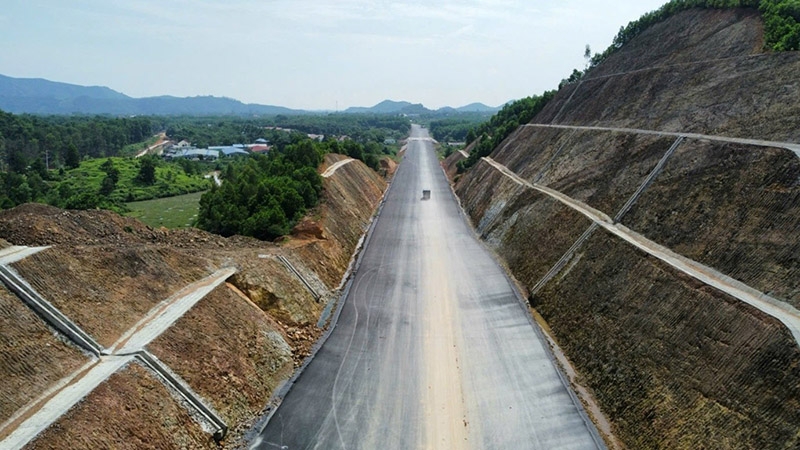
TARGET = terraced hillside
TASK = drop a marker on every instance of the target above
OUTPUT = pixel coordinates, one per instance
(118, 280)
(659, 257)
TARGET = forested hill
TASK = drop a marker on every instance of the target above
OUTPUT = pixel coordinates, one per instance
(38, 96)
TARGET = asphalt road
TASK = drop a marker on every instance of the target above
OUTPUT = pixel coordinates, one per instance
(432, 349)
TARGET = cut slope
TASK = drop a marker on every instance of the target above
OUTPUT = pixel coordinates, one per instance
(31, 357)
(113, 414)
(106, 271)
(658, 82)
(674, 363)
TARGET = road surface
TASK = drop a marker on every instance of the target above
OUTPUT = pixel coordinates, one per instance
(432, 349)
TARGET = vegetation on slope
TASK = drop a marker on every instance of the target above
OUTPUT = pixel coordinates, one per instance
(502, 124)
(781, 23)
(455, 128)
(102, 183)
(265, 195)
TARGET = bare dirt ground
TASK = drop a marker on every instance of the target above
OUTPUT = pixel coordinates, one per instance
(229, 351)
(107, 289)
(113, 414)
(31, 357)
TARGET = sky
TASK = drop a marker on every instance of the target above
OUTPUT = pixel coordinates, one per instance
(311, 54)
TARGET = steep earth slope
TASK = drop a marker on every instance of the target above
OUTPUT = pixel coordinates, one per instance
(673, 361)
(233, 348)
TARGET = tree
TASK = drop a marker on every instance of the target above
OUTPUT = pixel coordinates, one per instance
(16, 160)
(111, 171)
(147, 170)
(72, 159)
(587, 55)
(107, 186)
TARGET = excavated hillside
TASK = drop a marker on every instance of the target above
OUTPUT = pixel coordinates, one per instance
(233, 348)
(657, 258)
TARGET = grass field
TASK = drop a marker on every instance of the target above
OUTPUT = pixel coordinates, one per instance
(171, 212)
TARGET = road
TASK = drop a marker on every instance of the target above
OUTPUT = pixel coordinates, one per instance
(432, 349)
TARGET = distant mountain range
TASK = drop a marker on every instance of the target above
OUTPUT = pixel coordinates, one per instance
(40, 96)
(393, 107)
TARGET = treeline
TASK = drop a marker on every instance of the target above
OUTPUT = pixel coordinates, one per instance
(455, 128)
(63, 141)
(264, 195)
(205, 131)
(781, 22)
(359, 127)
(490, 134)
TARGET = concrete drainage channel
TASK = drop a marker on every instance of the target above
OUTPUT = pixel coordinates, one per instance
(299, 276)
(24, 432)
(185, 392)
(48, 312)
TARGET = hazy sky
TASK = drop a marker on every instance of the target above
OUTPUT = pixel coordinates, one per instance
(311, 54)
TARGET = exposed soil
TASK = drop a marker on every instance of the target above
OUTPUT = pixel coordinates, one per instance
(234, 347)
(229, 351)
(450, 163)
(674, 363)
(31, 356)
(113, 414)
(107, 289)
(731, 207)
(728, 89)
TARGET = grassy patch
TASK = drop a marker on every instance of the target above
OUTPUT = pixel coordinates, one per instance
(133, 149)
(171, 180)
(171, 212)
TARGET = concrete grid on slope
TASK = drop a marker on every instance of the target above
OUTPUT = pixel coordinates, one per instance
(785, 313)
(39, 414)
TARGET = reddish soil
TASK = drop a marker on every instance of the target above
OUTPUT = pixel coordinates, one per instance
(107, 289)
(229, 351)
(112, 416)
(31, 357)
(234, 347)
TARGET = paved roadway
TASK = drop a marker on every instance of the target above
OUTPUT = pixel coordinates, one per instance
(432, 349)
